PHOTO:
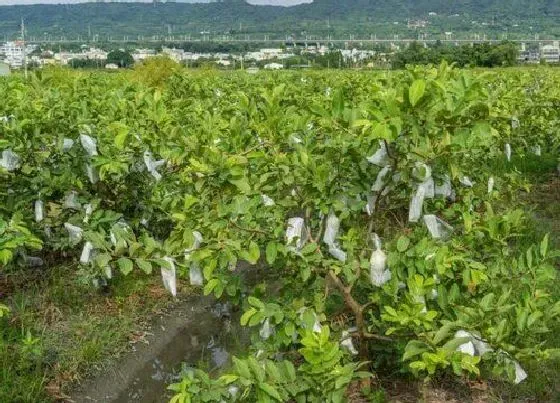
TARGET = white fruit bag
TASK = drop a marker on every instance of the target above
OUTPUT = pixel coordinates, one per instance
(168, 276)
(346, 342)
(267, 201)
(381, 179)
(74, 233)
(296, 232)
(466, 181)
(507, 151)
(71, 201)
(195, 275)
(39, 211)
(67, 144)
(378, 272)
(416, 204)
(92, 174)
(329, 238)
(10, 161)
(85, 257)
(89, 144)
(380, 158)
(438, 228)
(445, 189)
(266, 330)
(152, 165)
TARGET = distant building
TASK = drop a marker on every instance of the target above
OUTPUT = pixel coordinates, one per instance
(13, 54)
(551, 53)
(273, 66)
(111, 66)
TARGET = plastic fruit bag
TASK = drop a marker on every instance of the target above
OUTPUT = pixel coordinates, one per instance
(152, 165)
(347, 343)
(490, 184)
(378, 272)
(416, 204)
(85, 257)
(429, 188)
(195, 275)
(266, 330)
(267, 201)
(329, 238)
(296, 232)
(438, 228)
(445, 189)
(380, 181)
(39, 211)
(67, 144)
(88, 212)
(380, 158)
(89, 144)
(466, 181)
(331, 230)
(371, 202)
(92, 174)
(74, 233)
(10, 161)
(508, 152)
(474, 346)
(71, 201)
(168, 276)
(421, 171)
(536, 149)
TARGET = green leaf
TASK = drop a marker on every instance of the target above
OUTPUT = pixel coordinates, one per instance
(414, 348)
(544, 246)
(125, 265)
(382, 131)
(246, 316)
(452, 344)
(403, 243)
(254, 253)
(257, 303)
(144, 265)
(120, 137)
(209, 287)
(241, 368)
(270, 391)
(5, 256)
(241, 184)
(416, 91)
(271, 252)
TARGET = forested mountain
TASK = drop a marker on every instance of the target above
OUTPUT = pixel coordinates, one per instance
(322, 17)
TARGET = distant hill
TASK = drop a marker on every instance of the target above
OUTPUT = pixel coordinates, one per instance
(322, 17)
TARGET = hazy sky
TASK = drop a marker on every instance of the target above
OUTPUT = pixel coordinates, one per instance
(269, 2)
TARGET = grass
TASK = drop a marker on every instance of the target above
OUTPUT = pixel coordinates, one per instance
(60, 331)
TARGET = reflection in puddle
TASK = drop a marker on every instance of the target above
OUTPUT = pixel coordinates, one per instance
(206, 341)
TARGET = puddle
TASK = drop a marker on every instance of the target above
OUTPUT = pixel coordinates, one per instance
(197, 334)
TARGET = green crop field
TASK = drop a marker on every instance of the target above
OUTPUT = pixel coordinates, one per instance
(392, 214)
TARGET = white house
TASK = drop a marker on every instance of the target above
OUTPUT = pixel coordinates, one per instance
(111, 66)
(13, 54)
(551, 53)
(274, 66)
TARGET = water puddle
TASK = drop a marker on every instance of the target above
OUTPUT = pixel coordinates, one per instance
(198, 334)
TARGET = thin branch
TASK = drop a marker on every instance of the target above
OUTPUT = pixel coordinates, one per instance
(250, 230)
(250, 150)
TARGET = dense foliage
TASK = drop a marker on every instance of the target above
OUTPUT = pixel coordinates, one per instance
(376, 205)
(479, 55)
(520, 18)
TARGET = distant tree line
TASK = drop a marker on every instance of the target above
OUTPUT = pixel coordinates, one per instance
(477, 55)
